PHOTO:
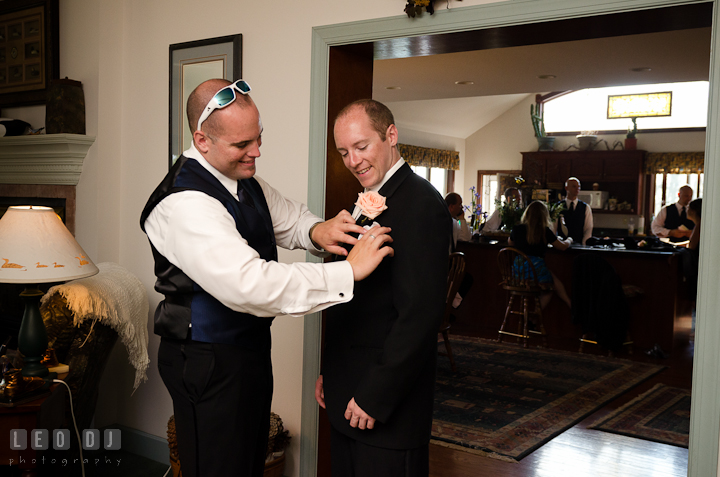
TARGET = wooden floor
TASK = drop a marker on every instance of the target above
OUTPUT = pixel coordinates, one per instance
(581, 452)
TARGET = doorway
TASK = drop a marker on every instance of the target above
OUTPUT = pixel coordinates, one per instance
(499, 25)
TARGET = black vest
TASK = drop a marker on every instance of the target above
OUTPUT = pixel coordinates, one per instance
(188, 311)
(575, 221)
(673, 220)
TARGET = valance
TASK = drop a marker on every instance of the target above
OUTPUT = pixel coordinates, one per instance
(675, 162)
(428, 157)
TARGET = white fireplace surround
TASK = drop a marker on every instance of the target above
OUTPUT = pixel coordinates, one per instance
(43, 159)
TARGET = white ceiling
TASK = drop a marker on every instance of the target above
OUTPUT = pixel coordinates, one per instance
(429, 100)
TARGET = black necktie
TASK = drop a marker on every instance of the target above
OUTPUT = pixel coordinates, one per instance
(244, 196)
(572, 207)
(683, 215)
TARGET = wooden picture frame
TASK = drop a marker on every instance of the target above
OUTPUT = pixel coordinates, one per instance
(29, 56)
(191, 63)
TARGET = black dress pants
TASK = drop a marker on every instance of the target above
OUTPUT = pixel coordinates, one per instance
(221, 398)
(350, 458)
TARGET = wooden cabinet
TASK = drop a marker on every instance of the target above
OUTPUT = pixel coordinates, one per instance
(619, 172)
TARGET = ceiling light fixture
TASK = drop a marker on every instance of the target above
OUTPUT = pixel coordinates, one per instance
(464, 82)
(546, 76)
(641, 69)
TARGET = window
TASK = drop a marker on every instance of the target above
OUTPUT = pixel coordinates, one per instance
(668, 185)
(436, 176)
(587, 109)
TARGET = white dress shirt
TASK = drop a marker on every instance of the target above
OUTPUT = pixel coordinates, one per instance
(461, 230)
(198, 235)
(356, 211)
(493, 223)
(658, 224)
(587, 225)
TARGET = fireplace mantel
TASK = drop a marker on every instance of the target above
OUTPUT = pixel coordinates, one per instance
(43, 159)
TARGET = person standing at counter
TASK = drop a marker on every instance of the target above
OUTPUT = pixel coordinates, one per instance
(672, 221)
(577, 214)
(494, 222)
(532, 237)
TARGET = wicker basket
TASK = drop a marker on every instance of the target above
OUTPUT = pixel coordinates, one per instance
(273, 468)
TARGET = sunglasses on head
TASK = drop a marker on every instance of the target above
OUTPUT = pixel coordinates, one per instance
(223, 98)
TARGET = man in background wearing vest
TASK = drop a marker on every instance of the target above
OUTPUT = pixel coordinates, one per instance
(577, 214)
(214, 231)
(672, 220)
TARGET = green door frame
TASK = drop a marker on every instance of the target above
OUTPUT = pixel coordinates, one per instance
(705, 412)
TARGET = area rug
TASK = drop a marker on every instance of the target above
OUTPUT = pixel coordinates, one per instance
(662, 414)
(505, 401)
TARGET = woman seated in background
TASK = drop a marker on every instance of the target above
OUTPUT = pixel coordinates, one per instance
(532, 237)
(692, 265)
(694, 212)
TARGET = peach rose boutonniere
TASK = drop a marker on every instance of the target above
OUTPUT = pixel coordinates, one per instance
(371, 204)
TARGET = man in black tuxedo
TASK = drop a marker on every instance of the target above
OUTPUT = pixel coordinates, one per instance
(380, 354)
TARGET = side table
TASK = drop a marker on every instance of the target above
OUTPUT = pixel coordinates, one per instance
(46, 412)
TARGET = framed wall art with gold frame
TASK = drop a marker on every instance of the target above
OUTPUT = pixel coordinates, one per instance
(28, 50)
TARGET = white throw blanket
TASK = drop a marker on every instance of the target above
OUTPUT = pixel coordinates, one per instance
(116, 298)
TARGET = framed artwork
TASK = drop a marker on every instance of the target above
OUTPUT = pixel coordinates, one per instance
(28, 50)
(191, 63)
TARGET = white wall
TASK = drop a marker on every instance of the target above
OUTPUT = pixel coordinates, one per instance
(119, 51)
(498, 146)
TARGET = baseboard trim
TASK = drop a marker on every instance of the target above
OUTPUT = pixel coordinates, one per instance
(144, 444)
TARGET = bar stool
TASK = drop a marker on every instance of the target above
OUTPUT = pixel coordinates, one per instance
(519, 279)
(455, 278)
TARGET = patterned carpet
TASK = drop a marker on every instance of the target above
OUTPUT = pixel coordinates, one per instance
(506, 401)
(662, 415)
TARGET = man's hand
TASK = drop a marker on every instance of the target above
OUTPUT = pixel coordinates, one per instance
(356, 416)
(320, 392)
(329, 234)
(677, 233)
(368, 252)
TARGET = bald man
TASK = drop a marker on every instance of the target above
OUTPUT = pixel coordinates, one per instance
(214, 228)
(576, 214)
(672, 220)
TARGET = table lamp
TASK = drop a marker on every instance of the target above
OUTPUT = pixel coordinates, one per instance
(36, 247)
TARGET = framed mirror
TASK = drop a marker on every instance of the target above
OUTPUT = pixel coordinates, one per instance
(191, 63)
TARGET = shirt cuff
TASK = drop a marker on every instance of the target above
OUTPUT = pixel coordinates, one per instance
(340, 284)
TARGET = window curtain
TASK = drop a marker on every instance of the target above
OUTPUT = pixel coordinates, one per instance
(675, 162)
(428, 157)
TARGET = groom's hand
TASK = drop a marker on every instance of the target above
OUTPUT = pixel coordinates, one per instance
(330, 234)
(358, 417)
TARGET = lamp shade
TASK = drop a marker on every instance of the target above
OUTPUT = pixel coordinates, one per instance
(36, 247)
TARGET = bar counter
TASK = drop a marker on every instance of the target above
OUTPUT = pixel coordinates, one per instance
(653, 313)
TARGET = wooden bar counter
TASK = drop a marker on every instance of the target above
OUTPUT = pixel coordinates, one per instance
(653, 312)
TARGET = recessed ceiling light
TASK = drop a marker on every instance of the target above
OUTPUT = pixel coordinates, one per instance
(547, 76)
(641, 69)
(392, 87)
(464, 82)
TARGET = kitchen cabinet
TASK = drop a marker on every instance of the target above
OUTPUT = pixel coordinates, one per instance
(618, 172)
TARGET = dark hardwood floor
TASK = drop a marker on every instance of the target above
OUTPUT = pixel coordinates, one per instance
(581, 452)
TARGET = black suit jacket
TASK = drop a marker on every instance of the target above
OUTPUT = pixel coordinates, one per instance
(381, 347)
